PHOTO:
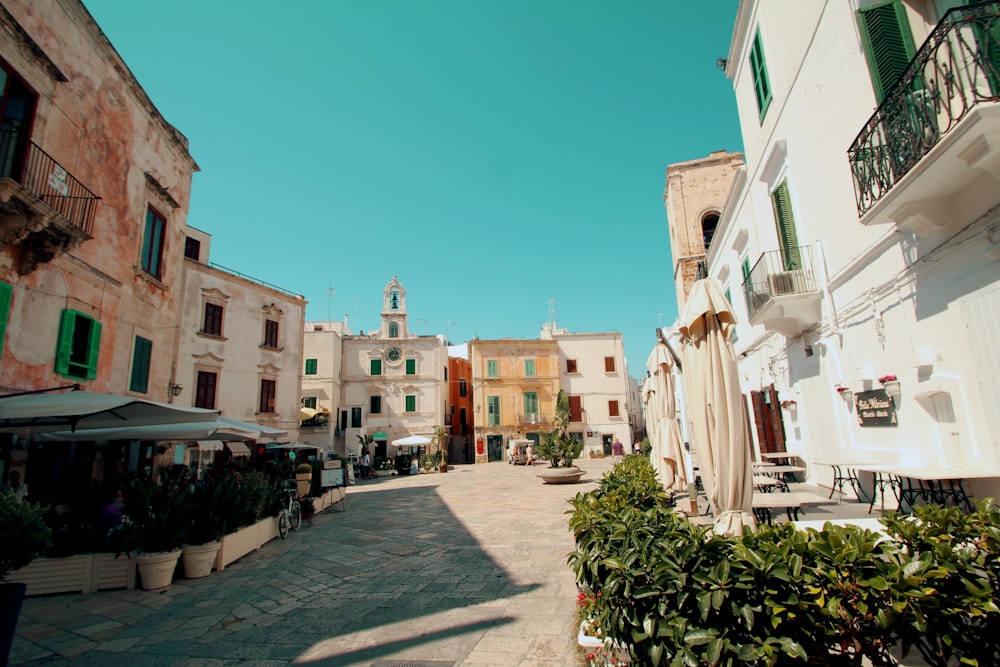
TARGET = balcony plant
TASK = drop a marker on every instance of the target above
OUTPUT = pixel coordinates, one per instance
(24, 537)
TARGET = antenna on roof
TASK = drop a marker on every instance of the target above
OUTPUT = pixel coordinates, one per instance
(552, 314)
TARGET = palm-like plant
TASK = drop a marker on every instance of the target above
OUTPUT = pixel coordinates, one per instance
(441, 438)
(557, 445)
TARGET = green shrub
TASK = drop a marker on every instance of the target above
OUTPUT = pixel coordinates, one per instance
(402, 463)
(678, 595)
(23, 533)
(303, 468)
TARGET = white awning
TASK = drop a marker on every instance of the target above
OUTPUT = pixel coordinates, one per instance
(210, 445)
(238, 449)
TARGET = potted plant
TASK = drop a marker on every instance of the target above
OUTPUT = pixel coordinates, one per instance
(24, 536)
(303, 478)
(208, 519)
(560, 448)
(153, 523)
(441, 437)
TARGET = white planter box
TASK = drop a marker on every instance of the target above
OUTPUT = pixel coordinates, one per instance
(243, 541)
(86, 573)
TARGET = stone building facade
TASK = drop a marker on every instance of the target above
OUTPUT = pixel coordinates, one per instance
(695, 195)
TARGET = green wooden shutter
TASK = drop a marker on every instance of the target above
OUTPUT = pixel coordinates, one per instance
(141, 356)
(492, 410)
(491, 368)
(529, 368)
(411, 403)
(758, 69)
(783, 218)
(6, 293)
(376, 367)
(988, 45)
(531, 403)
(887, 42)
(64, 345)
(94, 351)
(311, 365)
(411, 366)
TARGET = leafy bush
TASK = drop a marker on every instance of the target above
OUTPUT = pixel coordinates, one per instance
(678, 595)
(155, 511)
(212, 511)
(402, 463)
(23, 533)
(430, 461)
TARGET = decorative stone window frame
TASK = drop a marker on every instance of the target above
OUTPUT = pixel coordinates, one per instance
(273, 373)
(208, 363)
(158, 199)
(216, 297)
(273, 313)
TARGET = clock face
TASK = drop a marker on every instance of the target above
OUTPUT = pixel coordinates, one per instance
(394, 354)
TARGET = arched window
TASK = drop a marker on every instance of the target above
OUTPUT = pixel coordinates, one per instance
(393, 330)
(708, 224)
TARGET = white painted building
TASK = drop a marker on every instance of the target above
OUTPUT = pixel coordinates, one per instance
(860, 247)
(594, 375)
(394, 381)
(322, 349)
(240, 343)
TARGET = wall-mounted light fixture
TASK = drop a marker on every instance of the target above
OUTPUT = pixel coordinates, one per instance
(175, 389)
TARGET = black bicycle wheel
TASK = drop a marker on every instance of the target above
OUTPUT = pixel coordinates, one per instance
(295, 515)
(283, 524)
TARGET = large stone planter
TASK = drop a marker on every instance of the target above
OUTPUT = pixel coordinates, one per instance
(156, 570)
(569, 475)
(199, 559)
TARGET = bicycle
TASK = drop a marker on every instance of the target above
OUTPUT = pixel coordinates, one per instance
(290, 516)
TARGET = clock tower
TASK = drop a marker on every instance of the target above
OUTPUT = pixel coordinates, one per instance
(394, 311)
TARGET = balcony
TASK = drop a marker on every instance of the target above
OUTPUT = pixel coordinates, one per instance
(786, 300)
(929, 157)
(44, 210)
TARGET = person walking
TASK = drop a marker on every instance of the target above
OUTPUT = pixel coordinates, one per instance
(529, 455)
(617, 451)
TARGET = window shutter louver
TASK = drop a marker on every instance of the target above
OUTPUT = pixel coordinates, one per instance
(787, 238)
(6, 292)
(64, 346)
(887, 42)
(95, 349)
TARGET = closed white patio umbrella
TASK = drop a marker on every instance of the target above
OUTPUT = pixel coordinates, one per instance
(667, 453)
(715, 407)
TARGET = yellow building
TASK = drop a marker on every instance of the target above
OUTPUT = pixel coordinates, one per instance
(515, 384)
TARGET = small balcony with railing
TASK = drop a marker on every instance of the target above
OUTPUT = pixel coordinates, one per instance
(44, 209)
(929, 157)
(782, 292)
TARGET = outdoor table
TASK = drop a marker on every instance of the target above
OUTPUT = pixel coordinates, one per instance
(779, 457)
(784, 472)
(932, 484)
(766, 483)
(792, 502)
(845, 474)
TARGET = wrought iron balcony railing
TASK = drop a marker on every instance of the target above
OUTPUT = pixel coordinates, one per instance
(24, 162)
(956, 68)
(779, 274)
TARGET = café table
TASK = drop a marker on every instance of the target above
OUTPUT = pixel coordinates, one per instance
(779, 457)
(792, 503)
(767, 484)
(845, 474)
(784, 472)
(931, 484)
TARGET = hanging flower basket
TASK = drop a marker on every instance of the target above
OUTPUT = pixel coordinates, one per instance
(842, 389)
(886, 379)
(789, 404)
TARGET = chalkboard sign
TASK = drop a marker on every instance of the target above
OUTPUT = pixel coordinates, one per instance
(875, 408)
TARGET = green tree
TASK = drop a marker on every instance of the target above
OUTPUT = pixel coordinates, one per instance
(557, 446)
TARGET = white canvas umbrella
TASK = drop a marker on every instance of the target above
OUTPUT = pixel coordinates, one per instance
(411, 441)
(715, 407)
(74, 410)
(667, 453)
(223, 429)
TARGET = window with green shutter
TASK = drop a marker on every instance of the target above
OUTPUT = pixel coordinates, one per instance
(758, 69)
(529, 368)
(492, 410)
(491, 368)
(6, 293)
(530, 403)
(142, 353)
(887, 42)
(376, 367)
(375, 404)
(411, 403)
(79, 346)
(411, 366)
(781, 201)
(311, 365)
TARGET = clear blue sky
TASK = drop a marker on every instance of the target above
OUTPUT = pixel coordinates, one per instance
(493, 154)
